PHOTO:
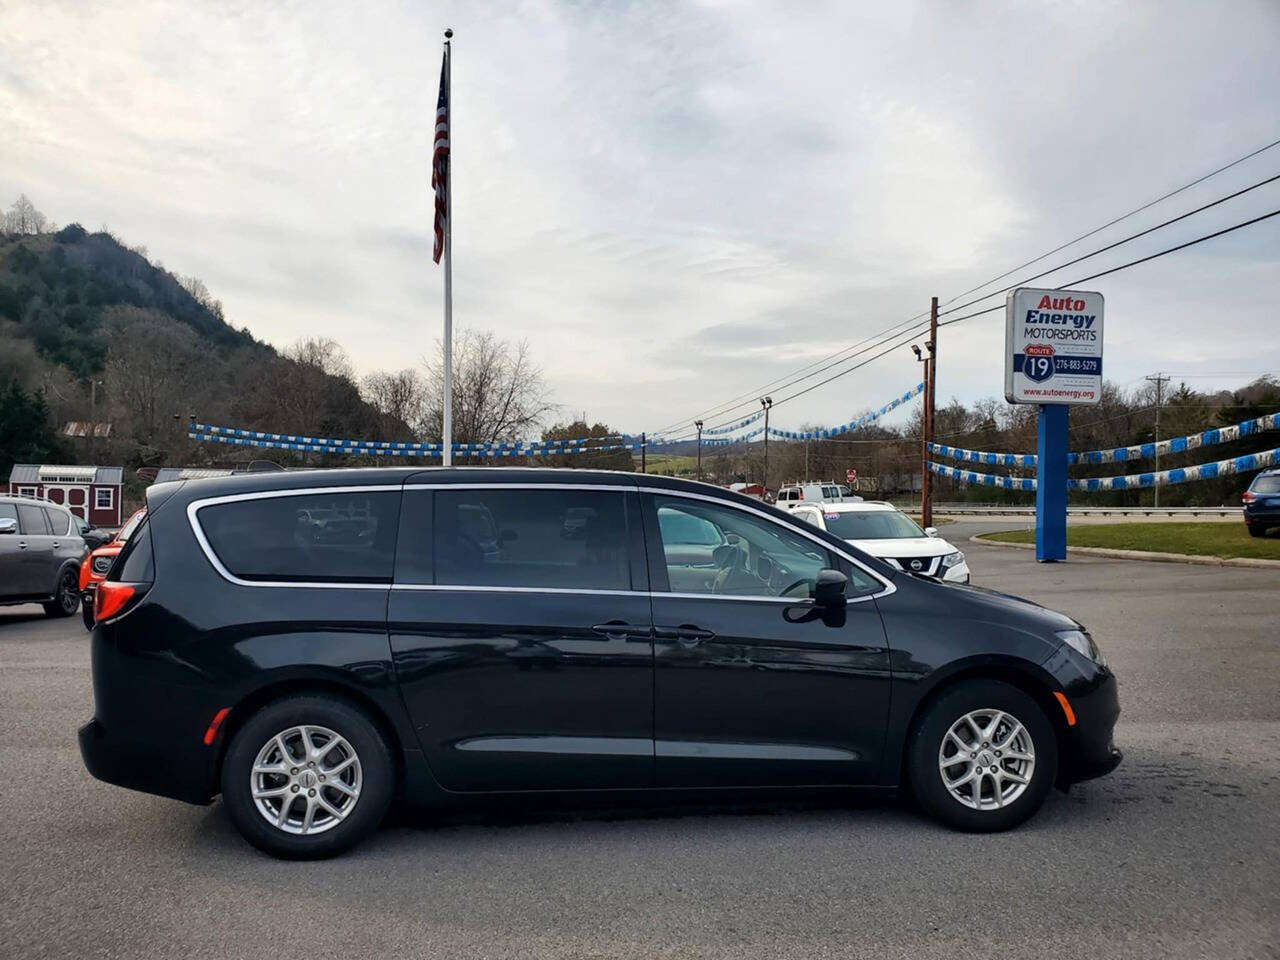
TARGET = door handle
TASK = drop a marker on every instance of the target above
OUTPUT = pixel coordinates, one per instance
(687, 634)
(22, 544)
(621, 630)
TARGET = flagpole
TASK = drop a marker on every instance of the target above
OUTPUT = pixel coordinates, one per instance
(447, 426)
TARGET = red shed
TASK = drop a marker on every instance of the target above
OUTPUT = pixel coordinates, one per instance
(91, 493)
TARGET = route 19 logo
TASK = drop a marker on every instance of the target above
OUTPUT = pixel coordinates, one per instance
(1038, 365)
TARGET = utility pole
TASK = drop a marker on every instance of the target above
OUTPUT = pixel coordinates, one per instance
(698, 424)
(1159, 380)
(767, 403)
(806, 459)
(644, 450)
(931, 392)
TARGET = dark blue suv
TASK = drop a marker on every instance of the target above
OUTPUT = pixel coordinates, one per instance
(1262, 503)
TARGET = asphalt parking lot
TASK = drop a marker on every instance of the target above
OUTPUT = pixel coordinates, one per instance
(1176, 854)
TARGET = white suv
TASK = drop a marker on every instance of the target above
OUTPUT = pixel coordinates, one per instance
(792, 495)
(884, 531)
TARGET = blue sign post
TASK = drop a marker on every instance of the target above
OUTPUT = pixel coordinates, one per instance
(1053, 358)
(1051, 484)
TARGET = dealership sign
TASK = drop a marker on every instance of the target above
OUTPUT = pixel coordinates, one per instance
(1053, 346)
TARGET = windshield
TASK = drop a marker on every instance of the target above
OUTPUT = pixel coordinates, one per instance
(871, 525)
(686, 529)
(1266, 485)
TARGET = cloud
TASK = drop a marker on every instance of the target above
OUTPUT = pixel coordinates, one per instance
(674, 204)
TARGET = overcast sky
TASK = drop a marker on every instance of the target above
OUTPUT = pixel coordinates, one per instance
(673, 203)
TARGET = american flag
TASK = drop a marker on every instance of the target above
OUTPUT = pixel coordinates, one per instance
(440, 158)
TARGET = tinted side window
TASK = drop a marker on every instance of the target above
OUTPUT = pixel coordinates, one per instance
(136, 562)
(58, 522)
(9, 511)
(32, 520)
(566, 539)
(320, 537)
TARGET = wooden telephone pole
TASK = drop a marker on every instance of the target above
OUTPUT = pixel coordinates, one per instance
(930, 361)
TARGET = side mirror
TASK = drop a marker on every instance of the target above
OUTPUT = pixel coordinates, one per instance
(828, 591)
(8, 525)
(930, 531)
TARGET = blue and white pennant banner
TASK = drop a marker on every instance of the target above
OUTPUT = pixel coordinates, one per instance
(1142, 451)
(213, 433)
(1138, 481)
(864, 420)
(404, 450)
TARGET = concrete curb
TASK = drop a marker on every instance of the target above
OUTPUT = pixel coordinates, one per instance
(1254, 562)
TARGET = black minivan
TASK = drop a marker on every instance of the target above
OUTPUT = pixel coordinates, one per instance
(315, 644)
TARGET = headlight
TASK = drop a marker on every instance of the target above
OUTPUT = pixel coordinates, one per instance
(1083, 644)
(102, 564)
(952, 560)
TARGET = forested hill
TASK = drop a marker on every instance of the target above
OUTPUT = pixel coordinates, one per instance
(92, 329)
(57, 288)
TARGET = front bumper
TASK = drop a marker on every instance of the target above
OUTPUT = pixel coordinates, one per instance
(1089, 748)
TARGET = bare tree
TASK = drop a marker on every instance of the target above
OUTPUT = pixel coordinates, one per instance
(400, 396)
(498, 392)
(150, 360)
(199, 292)
(321, 353)
(23, 217)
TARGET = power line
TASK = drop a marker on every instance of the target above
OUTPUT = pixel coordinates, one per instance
(1103, 273)
(1131, 263)
(1112, 246)
(1112, 223)
(749, 397)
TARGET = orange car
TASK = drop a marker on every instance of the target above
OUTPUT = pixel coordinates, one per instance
(94, 567)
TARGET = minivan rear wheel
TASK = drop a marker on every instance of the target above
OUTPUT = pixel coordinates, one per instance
(982, 757)
(307, 777)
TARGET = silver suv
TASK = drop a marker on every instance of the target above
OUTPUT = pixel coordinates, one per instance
(40, 553)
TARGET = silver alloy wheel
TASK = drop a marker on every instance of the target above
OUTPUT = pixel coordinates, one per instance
(306, 780)
(987, 759)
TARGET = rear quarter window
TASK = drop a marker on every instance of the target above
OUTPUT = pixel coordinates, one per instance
(1269, 484)
(319, 537)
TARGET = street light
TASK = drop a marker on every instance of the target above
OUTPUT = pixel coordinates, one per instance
(767, 403)
(926, 432)
(698, 424)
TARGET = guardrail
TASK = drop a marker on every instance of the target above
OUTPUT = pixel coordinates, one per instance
(971, 509)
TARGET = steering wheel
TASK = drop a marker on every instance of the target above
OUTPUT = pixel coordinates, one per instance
(792, 586)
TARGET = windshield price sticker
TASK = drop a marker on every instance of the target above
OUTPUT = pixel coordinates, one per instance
(1053, 346)
(831, 516)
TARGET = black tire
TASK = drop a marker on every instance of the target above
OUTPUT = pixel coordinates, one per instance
(925, 745)
(1256, 529)
(86, 614)
(377, 770)
(67, 598)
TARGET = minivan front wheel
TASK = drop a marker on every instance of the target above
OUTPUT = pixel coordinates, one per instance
(983, 756)
(307, 777)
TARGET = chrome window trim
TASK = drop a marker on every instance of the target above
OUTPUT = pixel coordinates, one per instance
(469, 588)
(533, 485)
(195, 506)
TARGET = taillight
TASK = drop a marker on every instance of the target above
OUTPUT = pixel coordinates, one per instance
(111, 599)
(1249, 496)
